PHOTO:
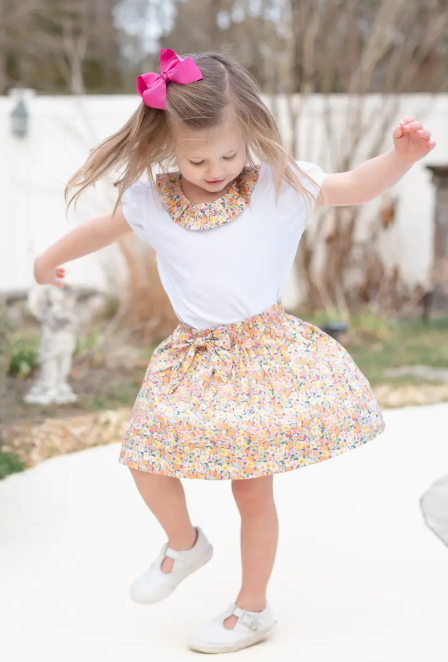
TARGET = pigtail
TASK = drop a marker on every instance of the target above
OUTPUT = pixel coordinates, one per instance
(267, 146)
(129, 153)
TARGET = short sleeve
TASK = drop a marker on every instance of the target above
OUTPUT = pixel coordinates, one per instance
(136, 204)
(315, 173)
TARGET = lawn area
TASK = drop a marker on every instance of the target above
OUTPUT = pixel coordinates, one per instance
(379, 345)
(398, 344)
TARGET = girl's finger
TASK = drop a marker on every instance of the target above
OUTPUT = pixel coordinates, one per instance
(407, 119)
(398, 132)
(413, 126)
(425, 134)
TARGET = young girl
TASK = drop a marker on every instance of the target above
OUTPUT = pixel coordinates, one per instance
(241, 390)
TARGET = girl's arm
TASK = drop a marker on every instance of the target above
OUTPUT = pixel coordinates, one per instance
(87, 238)
(411, 143)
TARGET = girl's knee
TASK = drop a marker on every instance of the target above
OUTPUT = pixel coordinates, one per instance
(253, 494)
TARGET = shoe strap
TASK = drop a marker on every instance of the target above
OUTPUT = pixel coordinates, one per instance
(179, 555)
(171, 554)
(245, 618)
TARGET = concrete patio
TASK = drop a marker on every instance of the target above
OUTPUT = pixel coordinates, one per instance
(359, 576)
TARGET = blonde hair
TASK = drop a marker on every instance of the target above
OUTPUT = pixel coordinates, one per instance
(145, 139)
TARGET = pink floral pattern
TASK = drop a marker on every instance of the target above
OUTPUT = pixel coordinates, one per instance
(205, 215)
(266, 395)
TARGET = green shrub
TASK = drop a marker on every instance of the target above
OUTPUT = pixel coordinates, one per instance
(24, 356)
(9, 464)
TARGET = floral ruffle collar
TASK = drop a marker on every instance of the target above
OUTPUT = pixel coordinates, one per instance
(205, 215)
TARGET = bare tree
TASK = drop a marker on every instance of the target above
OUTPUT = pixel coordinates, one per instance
(369, 39)
(59, 45)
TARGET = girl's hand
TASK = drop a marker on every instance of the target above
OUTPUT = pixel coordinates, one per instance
(412, 141)
(45, 276)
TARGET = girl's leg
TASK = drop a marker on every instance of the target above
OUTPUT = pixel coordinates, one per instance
(165, 497)
(259, 536)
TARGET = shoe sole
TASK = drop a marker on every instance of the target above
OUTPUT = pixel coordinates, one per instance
(216, 649)
(203, 560)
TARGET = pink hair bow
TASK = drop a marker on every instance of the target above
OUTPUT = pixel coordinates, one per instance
(152, 87)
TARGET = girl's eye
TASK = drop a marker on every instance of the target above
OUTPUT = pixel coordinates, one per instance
(229, 158)
(198, 163)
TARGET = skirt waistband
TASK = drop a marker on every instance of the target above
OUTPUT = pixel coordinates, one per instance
(255, 324)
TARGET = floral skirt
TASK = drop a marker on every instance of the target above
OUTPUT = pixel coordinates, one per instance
(266, 395)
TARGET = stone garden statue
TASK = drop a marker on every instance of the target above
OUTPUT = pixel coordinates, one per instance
(56, 310)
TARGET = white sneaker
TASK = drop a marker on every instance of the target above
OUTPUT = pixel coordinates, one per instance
(155, 585)
(250, 628)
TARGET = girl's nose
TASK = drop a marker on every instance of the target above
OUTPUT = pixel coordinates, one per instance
(214, 173)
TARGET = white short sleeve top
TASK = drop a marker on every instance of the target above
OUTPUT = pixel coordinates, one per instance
(224, 261)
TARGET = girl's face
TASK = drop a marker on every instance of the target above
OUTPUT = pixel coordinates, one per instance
(210, 158)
